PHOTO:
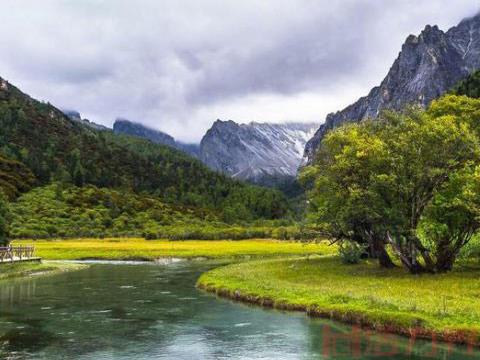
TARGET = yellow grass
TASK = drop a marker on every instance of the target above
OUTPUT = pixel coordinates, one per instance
(131, 248)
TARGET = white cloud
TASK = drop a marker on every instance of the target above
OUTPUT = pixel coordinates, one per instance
(179, 65)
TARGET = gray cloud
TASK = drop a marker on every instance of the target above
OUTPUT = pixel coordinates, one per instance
(179, 65)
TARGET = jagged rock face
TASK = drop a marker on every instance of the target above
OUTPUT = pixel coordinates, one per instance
(254, 151)
(428, 66)
(123, 126)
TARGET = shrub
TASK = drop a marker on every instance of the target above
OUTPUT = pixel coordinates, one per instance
(350, 252)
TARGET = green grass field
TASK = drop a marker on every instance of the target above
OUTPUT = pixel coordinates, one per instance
(446, 305)
(151, 249)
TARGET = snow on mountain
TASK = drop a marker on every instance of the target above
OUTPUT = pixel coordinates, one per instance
(255, 151)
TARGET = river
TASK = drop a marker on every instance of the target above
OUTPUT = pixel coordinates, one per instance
(153, 311)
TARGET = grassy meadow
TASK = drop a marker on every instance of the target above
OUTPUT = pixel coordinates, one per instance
(130, 249)
(445, 305)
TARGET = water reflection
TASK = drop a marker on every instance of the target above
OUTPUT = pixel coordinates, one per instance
(16, 291)
(338, 342)
(141, 311)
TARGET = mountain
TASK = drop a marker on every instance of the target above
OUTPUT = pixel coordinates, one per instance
(266, 154)
(260, 153)
(75, 116)
(124, 126)
(428, 66)
(40, 145)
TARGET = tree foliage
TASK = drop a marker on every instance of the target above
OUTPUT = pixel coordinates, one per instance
(67, 211)
(381, 182)
(42, 145)
(469, 87)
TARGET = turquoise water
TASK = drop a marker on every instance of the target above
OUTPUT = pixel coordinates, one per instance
(151, 311)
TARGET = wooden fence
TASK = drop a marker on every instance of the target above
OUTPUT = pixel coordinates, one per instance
(16, 253)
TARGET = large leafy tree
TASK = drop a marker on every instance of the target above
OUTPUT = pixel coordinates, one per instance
(453, 216)
(374, 181)
(343, 202)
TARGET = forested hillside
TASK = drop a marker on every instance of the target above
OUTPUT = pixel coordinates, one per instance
(66, 211)
(40, 145)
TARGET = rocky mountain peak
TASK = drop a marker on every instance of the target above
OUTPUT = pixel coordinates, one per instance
(470, 21)
(224, 125)
(427, 66)
(257, 152)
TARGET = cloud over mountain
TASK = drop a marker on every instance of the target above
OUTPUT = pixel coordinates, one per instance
(178, 65)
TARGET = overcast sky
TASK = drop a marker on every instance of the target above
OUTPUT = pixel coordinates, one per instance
(179, 65)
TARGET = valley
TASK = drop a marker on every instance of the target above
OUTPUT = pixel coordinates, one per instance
(355, 235)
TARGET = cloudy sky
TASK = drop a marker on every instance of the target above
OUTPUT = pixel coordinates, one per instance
(178, 65)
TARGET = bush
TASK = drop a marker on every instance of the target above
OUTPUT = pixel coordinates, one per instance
(350, 252)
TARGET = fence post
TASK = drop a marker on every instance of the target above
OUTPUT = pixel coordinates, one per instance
(16, 253)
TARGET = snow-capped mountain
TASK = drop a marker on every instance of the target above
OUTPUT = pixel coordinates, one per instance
(257, 152)
(266, 154)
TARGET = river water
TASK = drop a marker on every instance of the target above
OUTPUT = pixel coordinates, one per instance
(153, 311)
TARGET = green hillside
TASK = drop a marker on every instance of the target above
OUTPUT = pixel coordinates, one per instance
(66, 211)
(40, 145)
(57, 210)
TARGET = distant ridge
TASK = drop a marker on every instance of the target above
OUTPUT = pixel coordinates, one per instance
(75, 116)
(124, 126)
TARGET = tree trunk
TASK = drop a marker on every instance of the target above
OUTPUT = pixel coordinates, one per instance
(445, 265)
(407, 255)
(445, 260)
(383, 257)
(416, 269)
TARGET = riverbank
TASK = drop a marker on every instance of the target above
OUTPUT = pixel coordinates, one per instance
(27, 269)
(443, 307)
(140, 249)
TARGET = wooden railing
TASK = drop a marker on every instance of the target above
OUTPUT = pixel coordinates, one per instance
(16, 253)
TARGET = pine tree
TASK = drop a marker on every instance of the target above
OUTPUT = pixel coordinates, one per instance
(78, 174)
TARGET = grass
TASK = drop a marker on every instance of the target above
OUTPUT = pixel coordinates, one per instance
(443, 306)
(25, 269)
(151, 249)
